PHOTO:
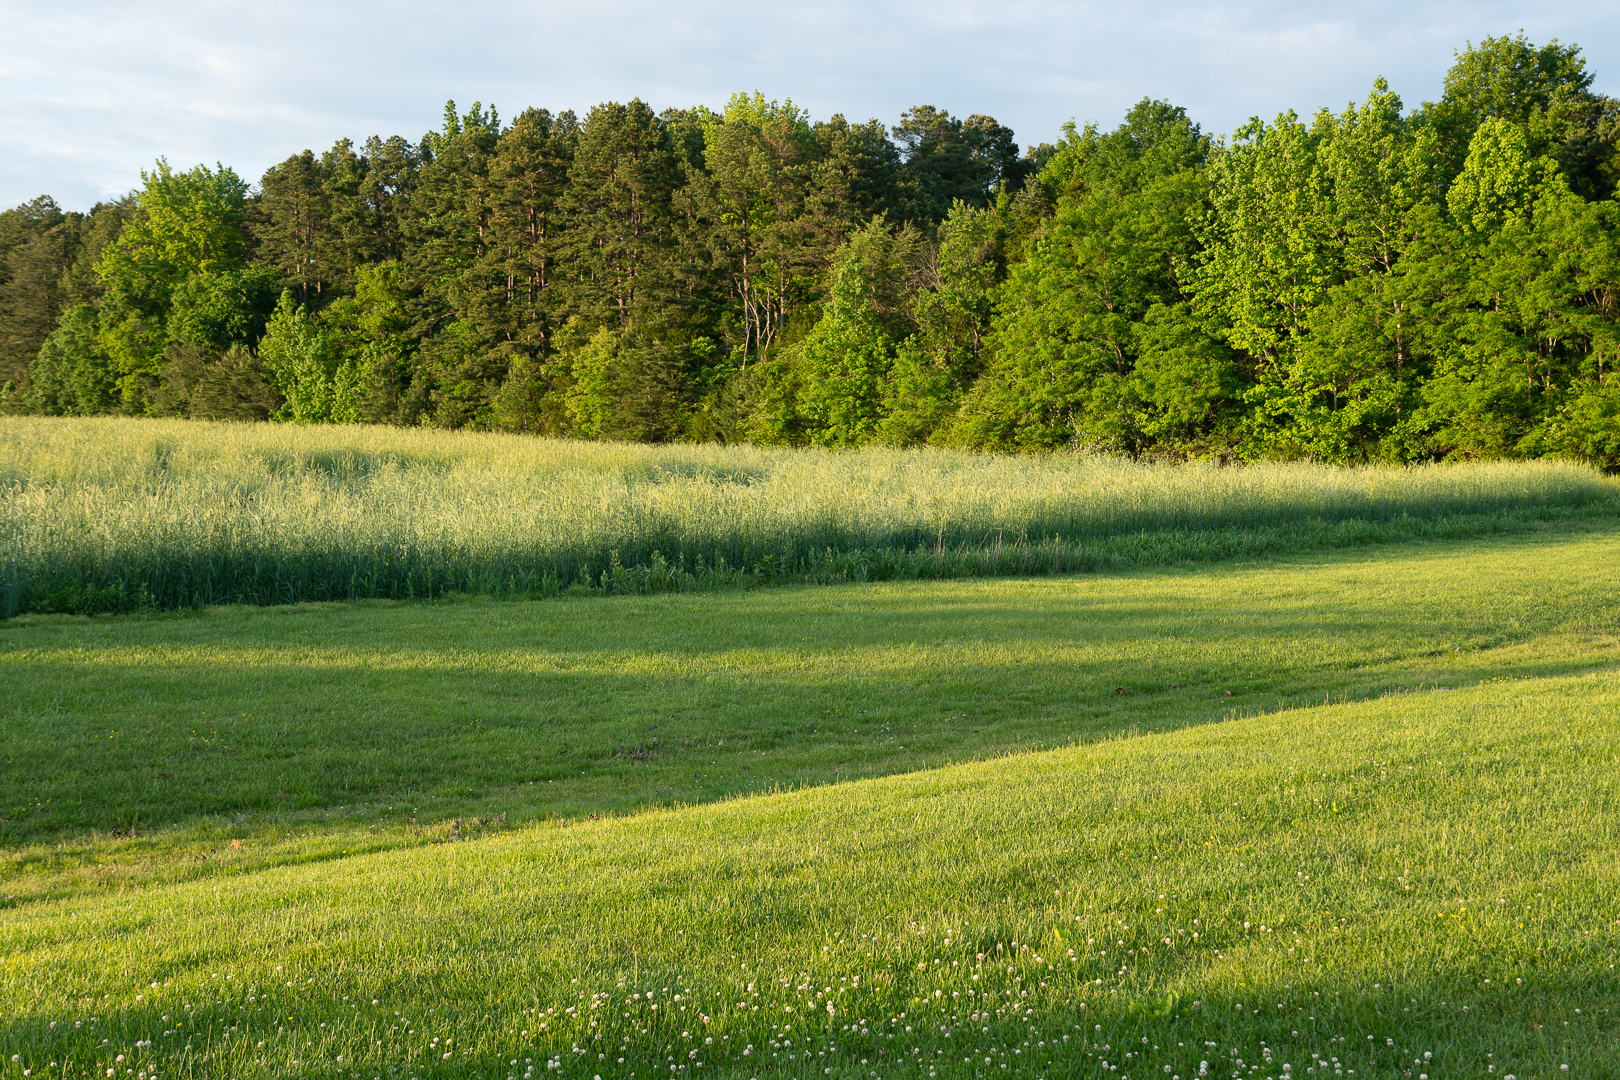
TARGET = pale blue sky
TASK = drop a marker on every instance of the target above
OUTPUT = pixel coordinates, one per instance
(91, 91)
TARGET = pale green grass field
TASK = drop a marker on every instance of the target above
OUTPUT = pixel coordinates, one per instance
(185, 514)
(1408, 881)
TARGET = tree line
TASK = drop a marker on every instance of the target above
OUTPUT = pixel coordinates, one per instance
(1375, 283)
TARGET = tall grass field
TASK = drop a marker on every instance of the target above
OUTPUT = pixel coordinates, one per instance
(1347, 810)
(114, 513)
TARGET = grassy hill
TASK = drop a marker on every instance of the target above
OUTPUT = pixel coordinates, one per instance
(1421, 883)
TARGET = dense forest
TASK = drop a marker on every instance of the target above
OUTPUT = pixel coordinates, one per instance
(1369, 284)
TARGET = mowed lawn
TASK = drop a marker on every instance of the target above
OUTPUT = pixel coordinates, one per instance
(359, 725)
(1397, 836)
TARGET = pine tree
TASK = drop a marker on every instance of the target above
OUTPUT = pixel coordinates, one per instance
(527, 181)
(295, 229)
(620, 247)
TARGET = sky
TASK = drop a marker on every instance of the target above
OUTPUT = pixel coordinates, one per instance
(93, 91)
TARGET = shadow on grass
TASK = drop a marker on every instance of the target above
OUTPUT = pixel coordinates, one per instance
(370, 715)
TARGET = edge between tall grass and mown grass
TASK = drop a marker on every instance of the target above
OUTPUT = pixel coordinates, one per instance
(128, 591)
(119, 515)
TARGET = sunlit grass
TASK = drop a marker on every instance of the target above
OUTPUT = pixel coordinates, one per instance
(1420, 884)
(186, 513)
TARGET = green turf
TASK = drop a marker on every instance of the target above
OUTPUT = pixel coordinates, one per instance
(1434, 871)
(1395, 839)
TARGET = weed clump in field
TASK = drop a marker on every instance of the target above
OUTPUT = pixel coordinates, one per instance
(77, 598)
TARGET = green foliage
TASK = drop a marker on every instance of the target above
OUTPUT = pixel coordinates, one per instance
(77, 598)
(919, 398)
(751, 218)
(373, 332)
(38, 243)
(47, 268)
(207, 385)
(620, 252)
(1305, 265)
(622, 387)
(527, 179)
(846, 362)
(317, 385)
(1070, 325)
(72, 376)
(1588, 428)
(847, 356)
(1496, 181)
(590, 371)
(1184, 385)
(952, 313)
(304, 206)
(948, 160)
(1544, 92)
(1533, 329)
(760, 405)
(475, 123)
(188, 223)
(218, 310)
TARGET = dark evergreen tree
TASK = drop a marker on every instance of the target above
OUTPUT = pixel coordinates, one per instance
(946, 159)
(383, 183)
(620, 246)
(295, 226)
(746, 221)
(37, 248)
(856, 176)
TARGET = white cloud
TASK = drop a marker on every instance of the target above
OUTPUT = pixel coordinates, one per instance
(92, 92)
